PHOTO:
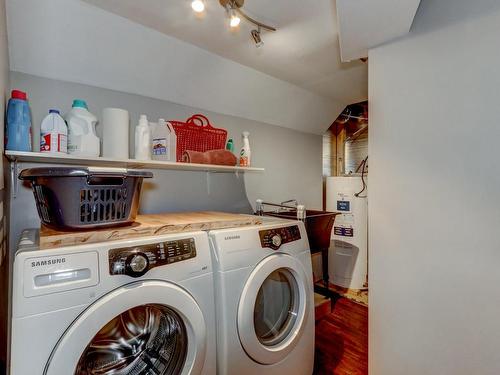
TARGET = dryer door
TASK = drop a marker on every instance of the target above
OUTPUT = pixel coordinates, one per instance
(150, 327)
(274, 308)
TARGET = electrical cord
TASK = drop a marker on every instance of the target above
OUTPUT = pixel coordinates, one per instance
(363, 166)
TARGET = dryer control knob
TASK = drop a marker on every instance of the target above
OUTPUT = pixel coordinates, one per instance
(137, 264)
(276, 240)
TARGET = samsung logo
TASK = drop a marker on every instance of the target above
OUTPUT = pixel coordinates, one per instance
(235, 237)
(48, 262)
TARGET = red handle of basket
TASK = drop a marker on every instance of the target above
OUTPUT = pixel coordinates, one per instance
(199, 120)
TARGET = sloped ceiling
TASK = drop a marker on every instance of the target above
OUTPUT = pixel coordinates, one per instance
(304, 51)
(364, 24)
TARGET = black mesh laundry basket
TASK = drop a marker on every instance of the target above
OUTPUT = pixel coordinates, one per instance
(85, 198)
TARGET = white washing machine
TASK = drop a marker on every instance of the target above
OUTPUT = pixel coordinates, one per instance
(142, 306)
(264, 300)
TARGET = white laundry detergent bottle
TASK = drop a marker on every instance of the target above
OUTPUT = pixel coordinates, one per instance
(163, 141)
(142, 139)
(53, 133)
(82, 138)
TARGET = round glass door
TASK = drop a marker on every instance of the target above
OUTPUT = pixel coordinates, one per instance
(149, 327)
(146, 339)
(276, 307)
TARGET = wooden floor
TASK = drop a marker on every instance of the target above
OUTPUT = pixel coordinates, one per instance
(342, 340)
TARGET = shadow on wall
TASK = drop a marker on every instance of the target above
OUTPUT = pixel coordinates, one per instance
(172, 191)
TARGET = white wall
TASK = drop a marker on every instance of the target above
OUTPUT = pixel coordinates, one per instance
(434, 211)
(4, 258)
(292, 159)
(4, 77)
(74, 41)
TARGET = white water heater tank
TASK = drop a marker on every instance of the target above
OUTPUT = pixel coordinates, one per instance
(348, 254)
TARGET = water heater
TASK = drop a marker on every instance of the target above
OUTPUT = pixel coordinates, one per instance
(348, 254)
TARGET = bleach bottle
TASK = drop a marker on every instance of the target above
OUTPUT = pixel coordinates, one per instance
(164, 141)
(53, 133)
(82, 138)
(18, 134)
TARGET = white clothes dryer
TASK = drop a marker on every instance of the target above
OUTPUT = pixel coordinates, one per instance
(142, 306)
(264, 299)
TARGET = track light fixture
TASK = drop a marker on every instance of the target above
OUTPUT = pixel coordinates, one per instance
(233, 8)
(256, 38)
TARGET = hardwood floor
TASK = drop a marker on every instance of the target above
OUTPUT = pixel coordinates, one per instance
(342, 340)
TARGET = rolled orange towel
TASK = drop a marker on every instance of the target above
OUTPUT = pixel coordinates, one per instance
(196, 157)
(218, 157)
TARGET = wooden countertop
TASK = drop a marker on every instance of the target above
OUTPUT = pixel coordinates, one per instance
(148, 225)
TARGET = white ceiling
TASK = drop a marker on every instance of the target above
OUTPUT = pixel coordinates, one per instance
(304, 51)
(364, 24)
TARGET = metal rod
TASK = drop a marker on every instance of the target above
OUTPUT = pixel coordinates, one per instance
(255, 22)
(278, 205)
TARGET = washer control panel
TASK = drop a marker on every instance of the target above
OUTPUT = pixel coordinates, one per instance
(135, 261)
(274, 238)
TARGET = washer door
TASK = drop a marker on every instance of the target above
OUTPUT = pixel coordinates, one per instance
(273, 308)
(150, 328)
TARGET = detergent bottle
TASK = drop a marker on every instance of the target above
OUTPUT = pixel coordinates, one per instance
(142, 139)
(18, 130)
(82, 138)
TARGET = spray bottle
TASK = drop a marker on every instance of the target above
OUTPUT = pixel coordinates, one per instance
(245, 153)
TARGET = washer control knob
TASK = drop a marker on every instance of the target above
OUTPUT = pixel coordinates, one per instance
(137, 264)
(276, 240)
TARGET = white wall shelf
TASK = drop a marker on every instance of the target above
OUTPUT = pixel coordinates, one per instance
(45, 158)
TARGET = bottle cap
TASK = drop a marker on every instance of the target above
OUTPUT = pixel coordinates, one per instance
(54, 111)
(246, 134)
(79, 103)
(18, 94)
(143, 120)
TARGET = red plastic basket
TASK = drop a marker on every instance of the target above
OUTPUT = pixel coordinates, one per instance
(197, 134)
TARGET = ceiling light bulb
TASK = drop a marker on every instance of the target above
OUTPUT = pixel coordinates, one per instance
(198, 6)
(235, 20)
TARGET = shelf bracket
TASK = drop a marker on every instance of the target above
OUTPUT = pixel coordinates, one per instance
(14, 184)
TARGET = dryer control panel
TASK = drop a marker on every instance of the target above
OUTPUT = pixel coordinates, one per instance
(135, 261)
(274, 238)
